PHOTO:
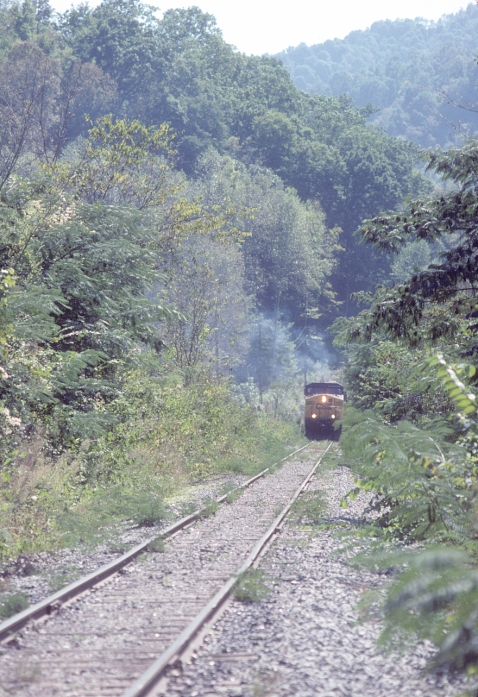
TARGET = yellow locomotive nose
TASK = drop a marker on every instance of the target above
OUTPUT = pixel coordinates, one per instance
(323, 408)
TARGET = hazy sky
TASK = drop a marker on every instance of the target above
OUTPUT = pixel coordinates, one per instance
(268, 26)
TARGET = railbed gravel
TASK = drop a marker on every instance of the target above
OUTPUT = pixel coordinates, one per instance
(304, 640)
(38, 575)
(100, 644)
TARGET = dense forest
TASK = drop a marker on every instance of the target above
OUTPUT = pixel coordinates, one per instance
(180, 224)
(413, 73)
(164, 194)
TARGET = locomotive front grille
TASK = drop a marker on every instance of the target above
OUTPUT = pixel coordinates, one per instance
(323, 408)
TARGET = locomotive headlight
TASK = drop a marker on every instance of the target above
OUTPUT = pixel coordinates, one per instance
(314, 416)
(332, 416)
(324, 399)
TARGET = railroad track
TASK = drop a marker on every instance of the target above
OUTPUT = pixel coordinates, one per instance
(120, 638)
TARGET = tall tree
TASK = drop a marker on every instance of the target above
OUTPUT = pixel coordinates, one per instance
(414, 310)
(288, 253)
(29, 85)
(206, 285)
(118, 36)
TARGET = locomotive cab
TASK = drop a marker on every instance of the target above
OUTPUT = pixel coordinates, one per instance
(324, 403)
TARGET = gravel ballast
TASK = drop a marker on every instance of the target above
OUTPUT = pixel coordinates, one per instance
(101, 643)
(38, 575)
(305, 640)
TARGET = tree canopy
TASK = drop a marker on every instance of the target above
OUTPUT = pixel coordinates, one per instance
(119, 59)
(434, 301)
(413, 72)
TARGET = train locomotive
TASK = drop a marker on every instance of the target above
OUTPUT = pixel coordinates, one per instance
(324, 403)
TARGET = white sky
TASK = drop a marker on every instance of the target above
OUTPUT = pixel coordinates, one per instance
(269, 26)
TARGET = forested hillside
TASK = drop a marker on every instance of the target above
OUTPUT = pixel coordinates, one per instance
(179, 222)
(412, 71)
(163, 194)
(119, 59)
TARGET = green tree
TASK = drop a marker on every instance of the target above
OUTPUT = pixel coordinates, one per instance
(87, 264)
(271, 358)
(439, 300)
(86, 94)
(78, 306)
(206, 285)
(118, 36)
(288, 253)
(350, 168)
(29, 82)
(121, 162)
(380, 174)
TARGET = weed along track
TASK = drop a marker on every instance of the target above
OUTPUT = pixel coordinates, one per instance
(118, 638)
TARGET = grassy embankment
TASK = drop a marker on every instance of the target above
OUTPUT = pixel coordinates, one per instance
(167, 438)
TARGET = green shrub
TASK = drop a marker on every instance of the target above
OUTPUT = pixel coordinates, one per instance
(156, 545)
(63, 577)
(423, 482)
(11, 604)
(208, 508)
(251, 586)
(309, 508)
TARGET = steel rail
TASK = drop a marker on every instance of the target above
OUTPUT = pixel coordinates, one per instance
(150, 678)
(50, 605)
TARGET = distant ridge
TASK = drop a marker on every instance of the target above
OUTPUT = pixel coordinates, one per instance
(414, 71)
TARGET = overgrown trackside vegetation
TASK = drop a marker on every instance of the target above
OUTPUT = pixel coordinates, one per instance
(176, 230)
(101, 414)
(412, 437)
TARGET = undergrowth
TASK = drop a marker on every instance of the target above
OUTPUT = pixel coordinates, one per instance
(234, 495)
(63, 577)
(208, 508)
(421, 530)
(156, 545)
(309, 508)
(11, 604)
(252, 586)
(168, 436)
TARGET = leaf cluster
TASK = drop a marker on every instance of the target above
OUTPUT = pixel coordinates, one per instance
(414, 310)
(422, 481)
(251, 586)
(423, 487)
(435, 598)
